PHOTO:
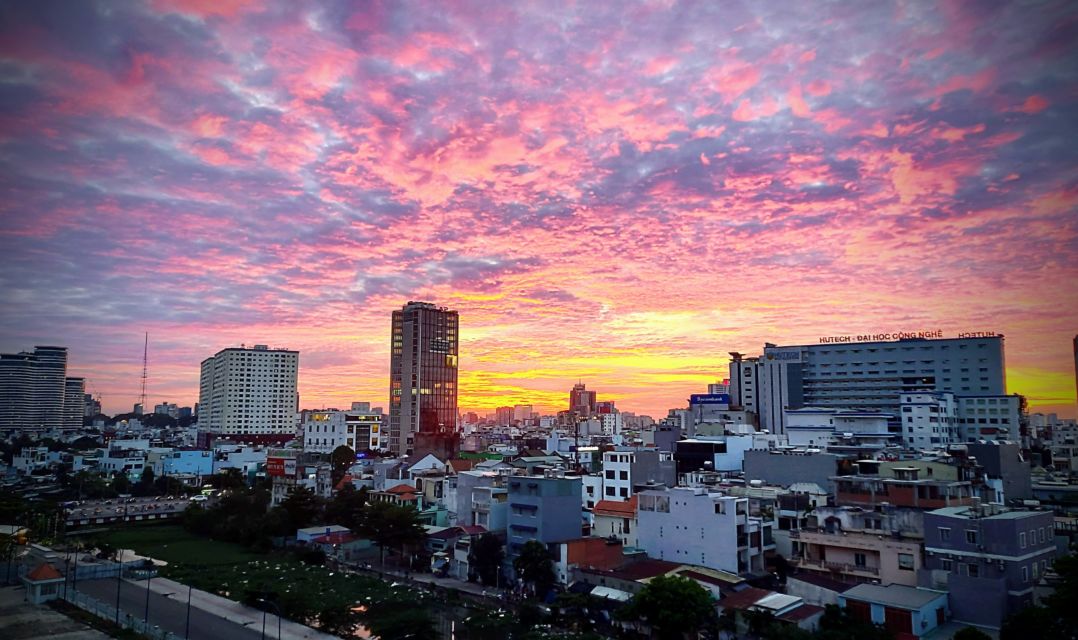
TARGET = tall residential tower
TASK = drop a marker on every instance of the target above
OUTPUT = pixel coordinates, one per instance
(249, 394)
(33, 388)
(423, 380)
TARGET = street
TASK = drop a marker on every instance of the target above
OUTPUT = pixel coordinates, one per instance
(169, 611)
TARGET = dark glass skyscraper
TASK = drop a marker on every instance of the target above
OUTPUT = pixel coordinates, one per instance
(423, 380)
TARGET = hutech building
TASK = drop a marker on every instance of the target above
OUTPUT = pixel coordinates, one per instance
(871, 373)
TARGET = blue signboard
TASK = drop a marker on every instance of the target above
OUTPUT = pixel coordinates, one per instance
(709, 398)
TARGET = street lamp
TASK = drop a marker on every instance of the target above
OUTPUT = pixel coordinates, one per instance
(277, 611)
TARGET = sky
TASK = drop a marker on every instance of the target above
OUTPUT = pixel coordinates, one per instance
(619, 193)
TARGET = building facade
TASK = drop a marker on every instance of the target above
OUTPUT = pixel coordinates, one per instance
(988, 557)
(249, 394)
(359, 429)
(545, 508)
(691, 525)
(33, 390)
(868, 375)
(423, 380)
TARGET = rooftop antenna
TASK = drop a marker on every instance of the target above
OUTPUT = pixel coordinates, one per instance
(145, 352)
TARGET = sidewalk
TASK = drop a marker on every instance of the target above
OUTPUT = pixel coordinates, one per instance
(230, 609)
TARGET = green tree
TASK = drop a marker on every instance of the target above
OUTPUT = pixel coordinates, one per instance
(534, 567)
(346, 507)
(303, 508)
(342, 459)
(674, 607)
(486, 557)
(120, 483)
(1058, 618)
(390, 525)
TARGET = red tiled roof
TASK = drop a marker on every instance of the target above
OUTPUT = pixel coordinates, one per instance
(625, 509)
(462, 465)
(346, 480)
(596, 553)
(44, 571)
(403, 488)
(744, 599)
(474, 529)
(644, 569)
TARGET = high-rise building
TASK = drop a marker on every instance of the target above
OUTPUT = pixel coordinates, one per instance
(867, 375)
(581, 401)
(74, 392)
(32, 389)
(91, 406)
(1076, 369)
(423, 380)
(249, 394)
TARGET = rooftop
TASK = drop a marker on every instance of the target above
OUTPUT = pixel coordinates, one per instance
(895, 595)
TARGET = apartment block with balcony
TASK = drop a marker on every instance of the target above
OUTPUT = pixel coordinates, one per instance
(691, 525)
(907, 488)
(853, 545)
(988, 557)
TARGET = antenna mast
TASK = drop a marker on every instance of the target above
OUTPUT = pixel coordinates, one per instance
(145, 352)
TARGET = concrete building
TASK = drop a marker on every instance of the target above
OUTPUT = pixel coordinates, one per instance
(249, 394)
(582, 403)
(691, 525)
(988, 557)
(1006, 472)
(423, 380)
(546, 508)
(625, 468)
(744, 388)
(359, 429)
(854, 545)
(992, 418)
(906, 488)
(616, 519)
(824, 427)
(33, 390)
(785, 467)
(74, 394)
(929, 420)
(868, 374)
(904, 611)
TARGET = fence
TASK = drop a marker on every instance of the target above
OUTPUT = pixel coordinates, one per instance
(107, 612)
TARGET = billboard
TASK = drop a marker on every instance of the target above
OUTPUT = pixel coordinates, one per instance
(709, 398)
(281, 467)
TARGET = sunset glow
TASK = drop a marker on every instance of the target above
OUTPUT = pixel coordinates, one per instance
(618, 193)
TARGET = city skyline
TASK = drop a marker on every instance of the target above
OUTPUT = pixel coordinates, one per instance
(619, 195)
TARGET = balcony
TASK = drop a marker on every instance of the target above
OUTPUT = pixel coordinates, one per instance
(481, 505)
(837, 567)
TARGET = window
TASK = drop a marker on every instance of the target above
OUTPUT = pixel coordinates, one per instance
(623, 475)
(859, 559)
(1042, 535)
(1022, 540)
(1025, 574)
(971, 536)
(945, 534)
(946, 564)
(609, 474)
(905, 561)
(972, 570)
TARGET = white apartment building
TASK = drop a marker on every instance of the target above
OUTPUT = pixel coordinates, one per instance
(358, 429)
(929, 420)
(691, 525)
(624, 468)
(818, 426)
(250, 393)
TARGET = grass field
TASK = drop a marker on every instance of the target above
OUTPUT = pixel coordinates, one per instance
(175, 545)
(235, 572)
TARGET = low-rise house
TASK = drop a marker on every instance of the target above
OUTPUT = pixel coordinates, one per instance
(613, 519)
(903, 610)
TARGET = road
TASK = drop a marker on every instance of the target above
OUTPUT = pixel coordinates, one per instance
(145, 508)
(169, 611)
